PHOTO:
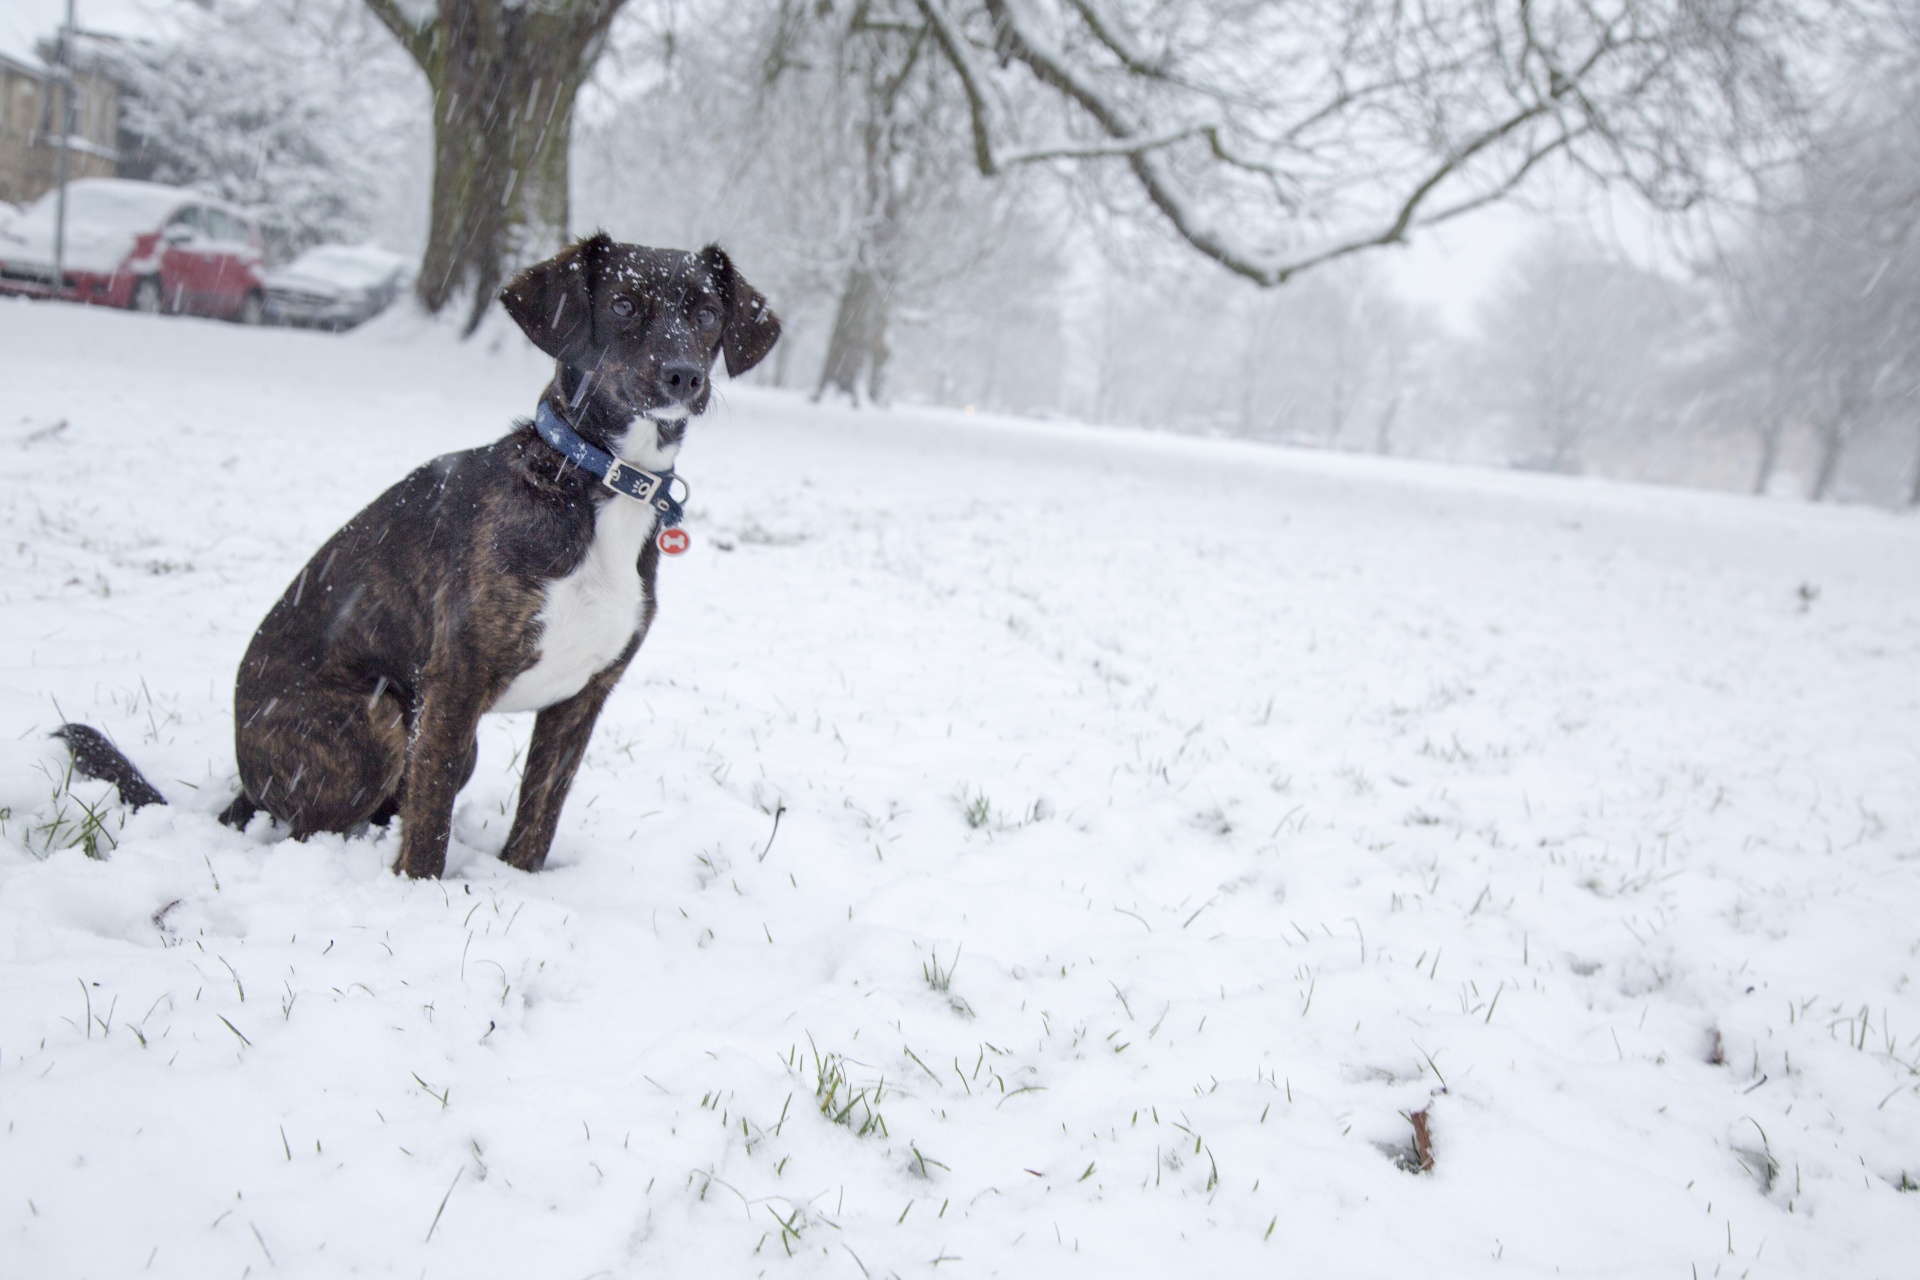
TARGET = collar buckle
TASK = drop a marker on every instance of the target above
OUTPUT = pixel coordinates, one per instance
(624, 478)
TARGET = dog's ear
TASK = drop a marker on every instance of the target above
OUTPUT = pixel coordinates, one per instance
(752, 328)
(552, 301)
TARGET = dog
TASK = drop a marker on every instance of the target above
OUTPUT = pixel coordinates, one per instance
(505, 578)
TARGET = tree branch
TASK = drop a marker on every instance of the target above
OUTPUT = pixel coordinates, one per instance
(972, 83)
(1116, 41)
(418, 41)
(1408, 109)
(1102, 150)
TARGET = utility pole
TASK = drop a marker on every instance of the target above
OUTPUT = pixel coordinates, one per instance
(64, 74)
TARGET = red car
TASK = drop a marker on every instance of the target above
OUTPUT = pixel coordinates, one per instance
(139, 245)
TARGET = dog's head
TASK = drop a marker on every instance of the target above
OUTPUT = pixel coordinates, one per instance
(637, 329)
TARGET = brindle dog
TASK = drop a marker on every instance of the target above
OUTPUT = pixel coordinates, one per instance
(498, 579)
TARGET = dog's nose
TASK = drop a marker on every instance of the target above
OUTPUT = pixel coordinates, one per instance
(682, 379)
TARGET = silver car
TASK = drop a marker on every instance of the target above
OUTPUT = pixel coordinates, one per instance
(336, 286)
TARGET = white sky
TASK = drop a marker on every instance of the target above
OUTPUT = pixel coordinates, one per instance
(1453, 267)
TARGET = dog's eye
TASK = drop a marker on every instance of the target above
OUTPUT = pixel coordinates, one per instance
(623, 307)
(707, 317)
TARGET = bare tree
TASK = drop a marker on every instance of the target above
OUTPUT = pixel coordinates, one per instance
(887, 144)
(1273, 138)
(891, 105)
(1325, 359)
(1171, 341)
(1824, 299)
(504, 75)
(1574, 349)
(824, 154)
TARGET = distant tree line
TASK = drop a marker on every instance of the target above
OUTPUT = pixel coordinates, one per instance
(1785, 348)
(1084, 206)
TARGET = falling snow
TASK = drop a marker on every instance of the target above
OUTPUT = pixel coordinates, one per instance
(1018, 850)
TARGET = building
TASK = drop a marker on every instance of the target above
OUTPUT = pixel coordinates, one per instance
(30, 111)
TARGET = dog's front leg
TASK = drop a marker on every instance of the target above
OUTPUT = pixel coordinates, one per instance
(440, 757)
(560, 735)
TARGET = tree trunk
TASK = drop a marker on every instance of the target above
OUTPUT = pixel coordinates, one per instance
(1337, 402)
(1769, 453)
(1254, 350)
(504, 77)
(989, 385)
(780, 354)
(1383, 438)
(1564, 445)
(502, 121)
(858, 346)
(857, 350)
(1833, 441)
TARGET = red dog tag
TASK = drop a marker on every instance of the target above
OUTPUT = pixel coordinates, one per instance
(673, 542)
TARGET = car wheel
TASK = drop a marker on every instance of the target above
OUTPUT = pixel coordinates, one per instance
(146, 296)
(253, 310)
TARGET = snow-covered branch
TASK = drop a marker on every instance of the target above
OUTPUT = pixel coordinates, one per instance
(1276, 138)
(1066, 150)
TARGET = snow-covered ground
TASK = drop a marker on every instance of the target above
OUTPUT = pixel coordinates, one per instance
(1161, 824)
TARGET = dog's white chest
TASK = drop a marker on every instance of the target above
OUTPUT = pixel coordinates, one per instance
(591, 614)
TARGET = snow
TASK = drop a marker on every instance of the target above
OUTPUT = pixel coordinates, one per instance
(24, 24)
(105, 216)
(341, 268)
(1161, 820)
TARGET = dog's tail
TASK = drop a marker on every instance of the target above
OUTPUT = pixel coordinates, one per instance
(95, 757)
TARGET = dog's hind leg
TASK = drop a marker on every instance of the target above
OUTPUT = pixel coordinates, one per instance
(238, 814)
(319, 758)
(387, 812)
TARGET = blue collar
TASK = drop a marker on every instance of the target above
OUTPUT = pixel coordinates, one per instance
(655, 488)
